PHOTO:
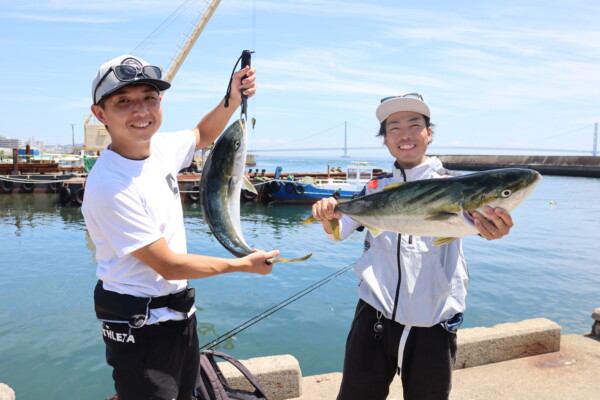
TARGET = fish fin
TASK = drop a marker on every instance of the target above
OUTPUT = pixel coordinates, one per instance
(249, 186)
(442, 216)
(335, 225)
(335, 228)
(309, 220)
(374, 232)
(444, 240)
(393, 186)
(283, 259)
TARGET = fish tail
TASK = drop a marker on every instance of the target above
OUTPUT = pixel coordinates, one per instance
(283, 259)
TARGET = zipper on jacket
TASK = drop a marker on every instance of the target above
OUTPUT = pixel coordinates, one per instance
(398, 256)
(399, 277)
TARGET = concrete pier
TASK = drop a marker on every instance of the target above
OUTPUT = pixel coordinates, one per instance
(6, 392)
(586, 166)
(518, 361)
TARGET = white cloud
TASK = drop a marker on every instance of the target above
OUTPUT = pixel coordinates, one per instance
(63, 18)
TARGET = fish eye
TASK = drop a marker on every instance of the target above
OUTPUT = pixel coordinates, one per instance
(236, 144)
(506, 193)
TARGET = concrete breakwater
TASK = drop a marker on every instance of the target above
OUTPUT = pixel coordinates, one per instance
(585, 166)
(529, 359)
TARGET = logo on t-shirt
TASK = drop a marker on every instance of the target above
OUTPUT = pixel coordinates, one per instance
(172, 182)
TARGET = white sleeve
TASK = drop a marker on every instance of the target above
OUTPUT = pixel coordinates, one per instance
(179, 146)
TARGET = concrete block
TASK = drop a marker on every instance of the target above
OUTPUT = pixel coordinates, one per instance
(6, 392)
(279, 375)
(596, 329)
(480, 346)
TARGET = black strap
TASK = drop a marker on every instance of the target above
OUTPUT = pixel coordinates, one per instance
(113, 306)
(181, 301)
(259, 391)
(228, 92)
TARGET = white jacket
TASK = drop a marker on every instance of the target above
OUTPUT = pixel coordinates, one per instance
(404, 276)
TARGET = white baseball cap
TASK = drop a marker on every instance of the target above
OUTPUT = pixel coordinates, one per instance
(406, 102)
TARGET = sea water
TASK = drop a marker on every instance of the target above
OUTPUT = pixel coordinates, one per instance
(51, 345)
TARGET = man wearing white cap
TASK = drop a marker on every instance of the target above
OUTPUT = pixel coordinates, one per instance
(133, 213)
(400, 327)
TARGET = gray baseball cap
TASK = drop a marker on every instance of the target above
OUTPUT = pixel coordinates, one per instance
(125, 70)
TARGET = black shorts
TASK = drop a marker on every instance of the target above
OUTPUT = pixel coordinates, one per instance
(155, 362)
(371, 361)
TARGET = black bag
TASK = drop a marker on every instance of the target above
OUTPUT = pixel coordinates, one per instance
(211, 384)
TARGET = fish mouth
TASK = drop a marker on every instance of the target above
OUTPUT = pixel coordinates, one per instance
(468, 217)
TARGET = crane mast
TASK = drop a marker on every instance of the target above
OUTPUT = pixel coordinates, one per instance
(187, 47)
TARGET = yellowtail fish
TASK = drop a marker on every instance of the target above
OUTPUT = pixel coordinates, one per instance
(220, 188)
(439, 207)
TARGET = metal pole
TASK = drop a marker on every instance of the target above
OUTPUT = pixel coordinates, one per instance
(73, 134)
(595, 151)
(345, 140)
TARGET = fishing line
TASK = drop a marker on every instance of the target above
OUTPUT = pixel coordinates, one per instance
(253, 136)
(274, 309)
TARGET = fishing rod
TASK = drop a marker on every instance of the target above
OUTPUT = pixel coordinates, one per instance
(245, 58)
(257, 318)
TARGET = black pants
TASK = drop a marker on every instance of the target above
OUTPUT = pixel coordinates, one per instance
(371, 362)
(155, 362)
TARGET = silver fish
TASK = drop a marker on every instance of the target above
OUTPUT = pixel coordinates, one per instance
(439, 207)
(220, 188)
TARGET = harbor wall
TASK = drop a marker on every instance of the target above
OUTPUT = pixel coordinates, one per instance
(585, 166)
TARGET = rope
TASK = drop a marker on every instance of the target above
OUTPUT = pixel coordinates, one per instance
(34, 181)
(275, 308)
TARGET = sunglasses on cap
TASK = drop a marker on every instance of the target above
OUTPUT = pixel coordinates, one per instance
(409, 95)
(129, 73)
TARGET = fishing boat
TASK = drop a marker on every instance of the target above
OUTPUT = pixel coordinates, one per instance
(309, 189)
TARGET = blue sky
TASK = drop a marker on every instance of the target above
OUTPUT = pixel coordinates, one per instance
(495, 73)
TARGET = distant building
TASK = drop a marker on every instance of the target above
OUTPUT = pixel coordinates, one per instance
(10, 143)
(38, 144)
(96, 137)
(60, 149)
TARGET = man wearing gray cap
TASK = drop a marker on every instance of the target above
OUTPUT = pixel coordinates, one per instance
(401, 326)
(133, 213)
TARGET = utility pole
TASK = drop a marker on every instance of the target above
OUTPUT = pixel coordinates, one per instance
(73, 134)
(595, 151)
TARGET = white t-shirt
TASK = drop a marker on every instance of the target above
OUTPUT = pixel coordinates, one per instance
(129, 204)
